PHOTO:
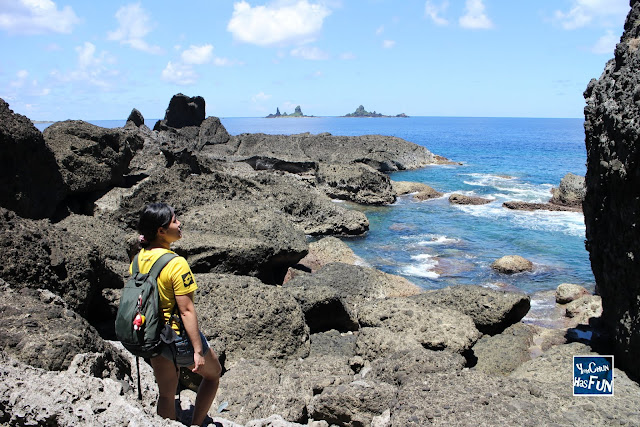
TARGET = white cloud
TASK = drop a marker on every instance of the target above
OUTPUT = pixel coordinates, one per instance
(226, 62)
(36, 17)
(433, 11)
(309, 52)
(260, 97)
(279, 23)
(475, 17)
(180, 74)
(584, 12)
(606, 44)
(380, 30)
(92, 67)
(388, 44)
(198, 54)
(134, 25)
(347, 56)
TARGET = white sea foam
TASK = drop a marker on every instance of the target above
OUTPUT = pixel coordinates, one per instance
(439, 240)
(569, 223)
(424, 267)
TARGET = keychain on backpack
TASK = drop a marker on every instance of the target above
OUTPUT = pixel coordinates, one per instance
(138, 321)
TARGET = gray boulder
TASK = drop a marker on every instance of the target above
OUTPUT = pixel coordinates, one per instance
(323, 307)
(38, 329)
(353, 404)
(511, 264)
(570, 192)
(421, 191)
(358, 183)
(434, 327)
(89, 157)
(256, 389)
(501, 354)
(244, 318)
(354, 284)
(405, 366)
(492, 311)
(374, 343)
(585, 308)
(567, 292)
(332, 343)
(37, 254)
(241, 238)
(30, 182)
(461, 199)
(611, 205)
(327, 250)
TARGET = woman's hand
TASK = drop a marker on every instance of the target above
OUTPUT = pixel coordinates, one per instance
(198, 360)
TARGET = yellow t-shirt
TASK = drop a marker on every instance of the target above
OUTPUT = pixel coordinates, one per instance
(175, 278)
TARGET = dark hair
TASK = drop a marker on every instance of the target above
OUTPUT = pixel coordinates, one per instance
(152, 217)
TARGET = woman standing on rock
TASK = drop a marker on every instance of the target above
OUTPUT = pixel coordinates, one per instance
(159, 228)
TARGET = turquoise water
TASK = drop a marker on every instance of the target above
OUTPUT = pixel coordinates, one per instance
(435, 244)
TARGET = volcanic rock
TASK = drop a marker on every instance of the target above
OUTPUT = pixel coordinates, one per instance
(434, 327)
(37, 254)
(136, 118)
(244, 318)
(353, 404)
(526, 206)
(511, 264)
(183, 111)
(383, 153)
(567, 292)
(355, 182)
(422, 191)
(240, 238)
(460, 199)
(327, 250)
(612, 200)
(570, 192)
(492, 311)
(583, 309)
(30, 182)
(501, 354)
(39, 330)
(91, 158)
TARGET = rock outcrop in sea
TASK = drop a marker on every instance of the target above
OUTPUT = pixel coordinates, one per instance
(307, 335)
(612, 201)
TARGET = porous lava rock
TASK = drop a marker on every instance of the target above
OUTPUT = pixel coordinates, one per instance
(492, 311)
(501, 354)
(30, 182)
(567, 292)
(511, 264)
(570, 192)
(183, 111)
(244, 318)
(136, 118)
(612, 199)
(91, 158)
(461, 199)
(358, 183)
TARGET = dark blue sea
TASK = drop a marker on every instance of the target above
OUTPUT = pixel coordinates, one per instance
(435, 244)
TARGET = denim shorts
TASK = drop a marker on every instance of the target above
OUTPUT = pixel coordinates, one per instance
(183, 350)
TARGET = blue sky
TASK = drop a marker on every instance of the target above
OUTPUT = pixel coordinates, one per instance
(96, 60)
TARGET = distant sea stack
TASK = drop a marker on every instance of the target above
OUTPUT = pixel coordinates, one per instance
(612, 201)
(296, 113)
(361, 112)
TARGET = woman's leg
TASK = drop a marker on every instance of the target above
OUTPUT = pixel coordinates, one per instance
(167, 379)
(208, 387)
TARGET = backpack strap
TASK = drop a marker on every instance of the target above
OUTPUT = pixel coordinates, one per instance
(135, 269)
(160, 263)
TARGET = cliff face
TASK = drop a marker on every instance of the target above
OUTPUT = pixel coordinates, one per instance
(612, 203)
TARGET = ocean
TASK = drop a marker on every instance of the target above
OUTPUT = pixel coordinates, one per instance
(435, 244)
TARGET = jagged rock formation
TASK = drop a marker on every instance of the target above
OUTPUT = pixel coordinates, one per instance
(612, 201)
(30, 182)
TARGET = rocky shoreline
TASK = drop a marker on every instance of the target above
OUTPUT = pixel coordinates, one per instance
(306, 333)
